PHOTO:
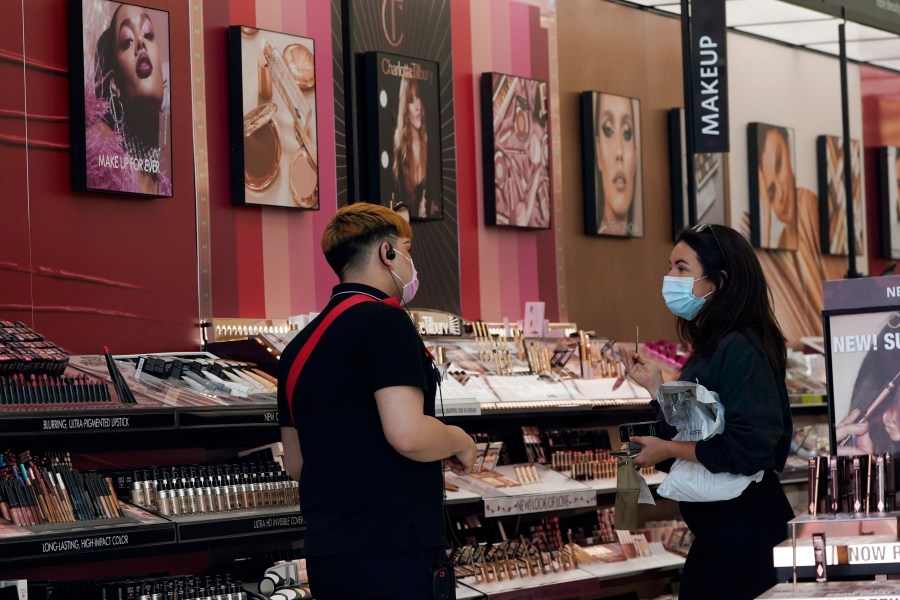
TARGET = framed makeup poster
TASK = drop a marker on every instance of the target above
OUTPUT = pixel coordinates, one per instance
(515, 140)
(120, 98)
(862, 360)
(272, 119)
(402, 134)
(709, 178)
(772, 163)
(833, 197)
(889, 201)
(611, 162)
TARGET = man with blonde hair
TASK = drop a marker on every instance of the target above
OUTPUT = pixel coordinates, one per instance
(356, 392)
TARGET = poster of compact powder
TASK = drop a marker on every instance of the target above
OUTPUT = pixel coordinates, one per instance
(272, 94)
(515, 133)
(120, 98)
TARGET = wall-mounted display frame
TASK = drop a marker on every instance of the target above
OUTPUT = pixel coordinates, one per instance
(710, 178)
(889, 201)
(772, 176)
(833, 197)
(515, 141)
(272, 119)
(120, 98)
(613, 169)
(402, 105)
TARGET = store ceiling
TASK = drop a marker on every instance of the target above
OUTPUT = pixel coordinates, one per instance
(790, 24)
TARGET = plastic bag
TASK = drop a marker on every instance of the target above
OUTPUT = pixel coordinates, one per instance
(627, 492)
(697, 414)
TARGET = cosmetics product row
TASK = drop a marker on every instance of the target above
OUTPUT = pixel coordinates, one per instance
(161, 587)
(513, 559)
(23, 350)
(206, 375)
(201, 489)
(589, 465)
(35, 494)
(860, 484)
(21, 392)
(541, 444)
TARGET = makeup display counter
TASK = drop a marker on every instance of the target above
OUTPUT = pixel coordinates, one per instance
(174, 402)
(835, 590)
(558, 578)
(851, 546)
(139, 531)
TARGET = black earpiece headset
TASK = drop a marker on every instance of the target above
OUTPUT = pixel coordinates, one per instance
(391, 254)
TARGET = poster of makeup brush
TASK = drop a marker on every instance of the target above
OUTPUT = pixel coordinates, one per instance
(272, 118)
(832, 195)
(515, 139)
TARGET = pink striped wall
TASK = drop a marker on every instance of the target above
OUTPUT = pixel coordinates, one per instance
(279, 267)
(503, 38)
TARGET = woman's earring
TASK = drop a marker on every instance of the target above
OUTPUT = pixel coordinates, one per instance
(116, 111)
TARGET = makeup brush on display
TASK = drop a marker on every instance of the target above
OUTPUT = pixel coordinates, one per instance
(122, 389)
(621, 379)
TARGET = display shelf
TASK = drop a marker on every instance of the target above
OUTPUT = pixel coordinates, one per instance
(233, 416)
(608, 485)
(262, 521)
(834, 590)
(91, 421)
(550, 586)
(634, 566)
(134, 420)
(141, 528)
(464, 592)
(554, 492)
(462, 496)
(136, 529)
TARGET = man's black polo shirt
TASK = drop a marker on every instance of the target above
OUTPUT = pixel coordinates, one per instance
(356, 492)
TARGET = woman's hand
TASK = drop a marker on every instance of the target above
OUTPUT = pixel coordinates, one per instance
(653, 450)
(646, 374)
(860, 432)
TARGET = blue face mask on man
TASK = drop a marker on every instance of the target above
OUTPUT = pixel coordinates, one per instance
(678, 292)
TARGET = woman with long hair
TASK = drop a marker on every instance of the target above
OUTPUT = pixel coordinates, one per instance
(125, 97)
(411, 152)
(718, 292)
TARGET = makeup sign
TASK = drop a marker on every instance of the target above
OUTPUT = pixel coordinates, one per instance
(272, 95)
(403, 134)
(120, 96)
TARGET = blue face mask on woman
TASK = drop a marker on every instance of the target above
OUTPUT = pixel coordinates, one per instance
(678, 292)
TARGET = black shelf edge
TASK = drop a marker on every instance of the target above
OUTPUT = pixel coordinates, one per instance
(113, 540)
(262, 522)
(100, 420)
(255, 416)
(808, 573)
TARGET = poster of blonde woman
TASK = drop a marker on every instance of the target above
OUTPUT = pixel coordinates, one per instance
(121, 100)
(403, 134)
